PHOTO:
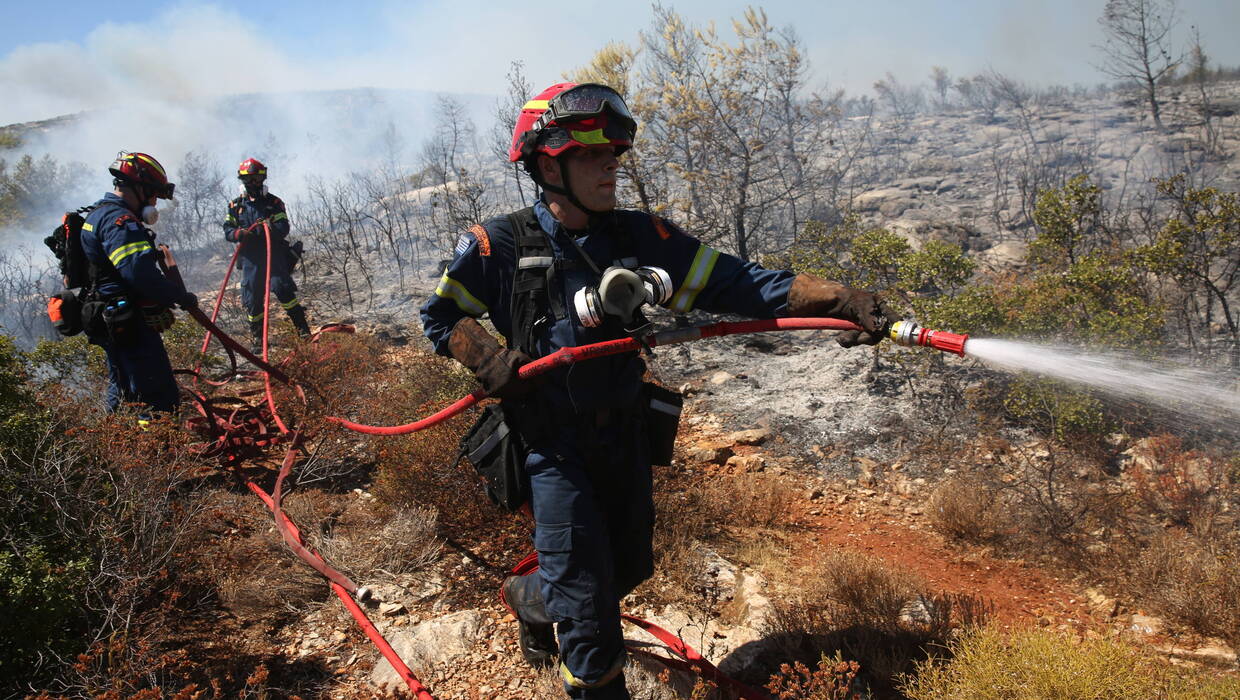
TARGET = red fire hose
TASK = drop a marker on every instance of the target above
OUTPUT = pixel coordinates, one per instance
(568, 356)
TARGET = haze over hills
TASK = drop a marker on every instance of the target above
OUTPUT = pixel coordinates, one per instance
(299, 135)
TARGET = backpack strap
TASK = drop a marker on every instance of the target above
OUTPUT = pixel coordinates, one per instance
(533, 301)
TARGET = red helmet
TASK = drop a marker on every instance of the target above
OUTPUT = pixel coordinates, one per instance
(252, 169)
(569, 115)
(141, 170)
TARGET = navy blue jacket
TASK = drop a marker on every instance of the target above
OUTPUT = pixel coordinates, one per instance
(243, 212)
(479, 281)
(123, 253)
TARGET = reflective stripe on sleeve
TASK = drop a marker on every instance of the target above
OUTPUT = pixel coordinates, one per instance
(451, 289)
(129, 249)
(279, 217)
(695, 281)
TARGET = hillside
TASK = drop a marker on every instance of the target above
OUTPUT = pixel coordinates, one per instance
(872, 503)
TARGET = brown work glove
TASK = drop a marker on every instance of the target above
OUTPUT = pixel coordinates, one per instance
(812, 296)
(493, 365)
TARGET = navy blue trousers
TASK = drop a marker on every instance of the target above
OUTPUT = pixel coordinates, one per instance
(140, 373)
(283, 288)
(594, 522)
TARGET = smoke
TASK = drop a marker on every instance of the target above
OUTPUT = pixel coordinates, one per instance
(211, 81)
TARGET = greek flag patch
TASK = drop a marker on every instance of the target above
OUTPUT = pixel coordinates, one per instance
(461, 244)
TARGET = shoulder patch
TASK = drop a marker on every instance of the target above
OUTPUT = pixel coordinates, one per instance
(120, 220)
(661, 227)
(484, 241)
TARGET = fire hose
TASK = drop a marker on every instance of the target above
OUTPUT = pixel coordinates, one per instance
(689, 660)
(907, 333)
(341, 585)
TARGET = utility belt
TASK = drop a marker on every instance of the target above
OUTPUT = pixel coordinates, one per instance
(119, 321)
(114, 319)
(503, 436)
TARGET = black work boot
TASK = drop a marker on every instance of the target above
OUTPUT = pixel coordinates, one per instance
(535, 630)
(256, 337)
(297, 315)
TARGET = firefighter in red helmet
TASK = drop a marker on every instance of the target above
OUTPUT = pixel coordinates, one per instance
(129, 298)
(254, 205)
(572, 270)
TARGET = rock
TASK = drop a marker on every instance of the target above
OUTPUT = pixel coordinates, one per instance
(867, 467)
(1003, 255)
(1101, 604)
(1147, 624)
(1214, 652)
(429, 645)
(390, 609)
(747, 463)
(917, 611)
(704, 454)
(814, 494)
(755, 436)
(1143, 455)
(720, 377)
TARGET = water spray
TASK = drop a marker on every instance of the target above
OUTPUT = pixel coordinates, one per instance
(912, 334)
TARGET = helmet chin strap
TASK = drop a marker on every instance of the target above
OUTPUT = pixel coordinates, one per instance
(567, 189)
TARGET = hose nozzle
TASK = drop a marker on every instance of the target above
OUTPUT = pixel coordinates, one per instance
(910, 333)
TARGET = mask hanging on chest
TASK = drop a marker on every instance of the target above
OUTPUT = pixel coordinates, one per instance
(621, 293)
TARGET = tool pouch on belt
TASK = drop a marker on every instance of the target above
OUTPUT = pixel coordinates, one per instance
(122, 320)
(662, 413)
(64, 310)
(495, 449)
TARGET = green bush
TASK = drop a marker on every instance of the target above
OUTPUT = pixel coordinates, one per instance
(42, 569)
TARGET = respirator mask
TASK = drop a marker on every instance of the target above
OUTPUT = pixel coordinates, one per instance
(150, 215)
(255, 190)
(621, 293)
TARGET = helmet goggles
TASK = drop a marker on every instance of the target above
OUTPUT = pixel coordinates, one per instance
(584, 101)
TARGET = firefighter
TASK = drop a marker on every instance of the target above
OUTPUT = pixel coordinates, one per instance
(547, 277)
(129, 304)
(254, 205)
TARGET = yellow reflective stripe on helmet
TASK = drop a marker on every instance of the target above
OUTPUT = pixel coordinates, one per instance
(695, 281)
(589, 137)
(129, 249)
(290, 304)
(279, 217)
(87, 227)
(535, 104)
(451, 289)
(151, 162)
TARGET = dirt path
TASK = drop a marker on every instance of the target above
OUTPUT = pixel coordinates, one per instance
(1020, 592)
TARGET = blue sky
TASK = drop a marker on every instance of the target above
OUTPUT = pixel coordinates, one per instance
(58, 57)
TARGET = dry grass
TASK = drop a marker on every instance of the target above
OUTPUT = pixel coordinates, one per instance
(968, 511)
(378, 548)
(750, 500)
(1193, 582)
(987, 664)
(863, 609)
